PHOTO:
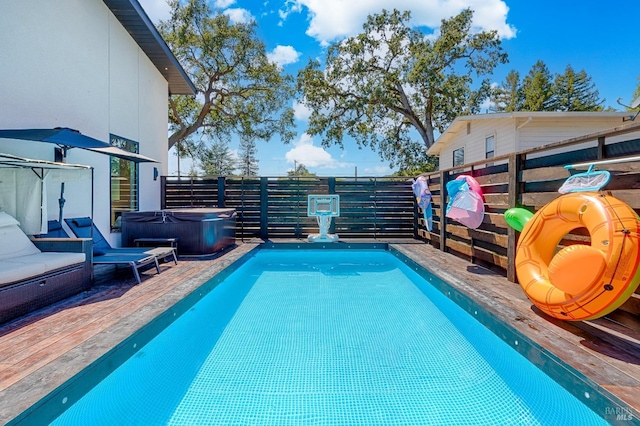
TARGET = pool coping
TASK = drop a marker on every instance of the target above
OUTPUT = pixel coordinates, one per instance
(457, 289)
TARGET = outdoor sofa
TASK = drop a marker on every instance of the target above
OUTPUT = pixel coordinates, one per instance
(36, 273)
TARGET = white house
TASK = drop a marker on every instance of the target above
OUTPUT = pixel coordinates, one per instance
(473, 138)
(100, 67)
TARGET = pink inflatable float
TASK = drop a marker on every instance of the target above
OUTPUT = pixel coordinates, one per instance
(466, 203)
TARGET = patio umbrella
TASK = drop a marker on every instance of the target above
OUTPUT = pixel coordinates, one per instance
(67, 138)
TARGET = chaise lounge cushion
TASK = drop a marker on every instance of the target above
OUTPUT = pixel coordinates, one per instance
(11, 271)
(20, 259)
(51, 260)
(13, 242)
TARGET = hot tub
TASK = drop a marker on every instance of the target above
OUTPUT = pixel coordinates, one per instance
(199, 231)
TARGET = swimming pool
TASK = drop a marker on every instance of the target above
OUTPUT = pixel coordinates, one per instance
(326, 337)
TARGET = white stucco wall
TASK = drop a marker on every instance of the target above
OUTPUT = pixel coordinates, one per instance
(70, 63)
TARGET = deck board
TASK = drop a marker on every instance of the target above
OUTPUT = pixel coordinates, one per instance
(42, 350)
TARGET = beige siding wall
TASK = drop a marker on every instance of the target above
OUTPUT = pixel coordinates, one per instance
(514, 134)
(474, 143)
(543, 131)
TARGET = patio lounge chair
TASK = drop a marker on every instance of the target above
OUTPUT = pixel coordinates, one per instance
(55, 230)
(133, 260)
(103, 253)
(83, 227)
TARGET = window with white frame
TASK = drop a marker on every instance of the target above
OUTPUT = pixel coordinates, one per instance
(490, 147)
(458, 157)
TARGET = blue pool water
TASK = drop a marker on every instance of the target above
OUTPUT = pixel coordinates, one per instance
(306, 337)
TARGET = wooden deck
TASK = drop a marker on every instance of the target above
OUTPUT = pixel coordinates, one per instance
(42, 350)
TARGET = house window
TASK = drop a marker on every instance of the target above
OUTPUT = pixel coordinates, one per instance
(458, 157)
(490, 146)
(124, 182)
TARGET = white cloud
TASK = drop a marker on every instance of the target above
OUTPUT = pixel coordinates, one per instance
(335, 19)
(290, 6)
(239, 16)
(222, 4)
(284, 55)
(156, 10)
(300, 111)
(305, 152)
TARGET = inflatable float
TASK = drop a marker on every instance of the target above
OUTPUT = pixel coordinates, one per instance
(466, 203)
(580, 282)
(517, 217)
(421, 191)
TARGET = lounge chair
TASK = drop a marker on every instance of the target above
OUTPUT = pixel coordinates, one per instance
(104, 254)
(83, 227)
(133, 260)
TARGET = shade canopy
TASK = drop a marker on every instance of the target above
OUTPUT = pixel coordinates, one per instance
(27, 185)
(12, 161)
(67, 138)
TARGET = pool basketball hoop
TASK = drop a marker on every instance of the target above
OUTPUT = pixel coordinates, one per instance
(323, 207)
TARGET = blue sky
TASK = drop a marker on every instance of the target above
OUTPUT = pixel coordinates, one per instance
(599, 37)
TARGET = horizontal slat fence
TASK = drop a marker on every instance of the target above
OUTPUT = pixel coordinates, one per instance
(276, 207)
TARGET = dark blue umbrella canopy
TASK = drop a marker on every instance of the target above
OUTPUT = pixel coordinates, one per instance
(62, 136)
(67, 138)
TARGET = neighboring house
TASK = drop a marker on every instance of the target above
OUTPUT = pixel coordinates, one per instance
(472, 138)
(100, 67)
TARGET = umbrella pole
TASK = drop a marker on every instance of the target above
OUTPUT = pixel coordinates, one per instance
(61, 202)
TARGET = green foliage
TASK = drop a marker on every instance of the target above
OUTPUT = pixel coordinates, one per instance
(418, 167)
(537, 89)
(575, 92)
(636, 93)
(388, 83)
(217, 159)
(239, 90)
(300, 170)
(509, 96)
(248, 162)
(540, 91)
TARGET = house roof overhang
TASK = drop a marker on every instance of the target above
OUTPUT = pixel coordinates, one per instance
(135, 20)
(459, 123)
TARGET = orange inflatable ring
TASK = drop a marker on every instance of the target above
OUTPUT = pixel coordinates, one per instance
(580, 282)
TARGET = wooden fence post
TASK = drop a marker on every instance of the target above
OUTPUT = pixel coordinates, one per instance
(516, 163)
(444, 178)
(331, 189)
(601, 153)
(264, 200)
(163, 192)
(221, 185)
(191, 191)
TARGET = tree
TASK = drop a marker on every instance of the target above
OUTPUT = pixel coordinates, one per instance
(636, 93)
(379, 86)
(248, 163)
(508, 97)
(217, 159)
(300, 170)
(537, 89)
(427, 163)
(239, 90)
(575, 92)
